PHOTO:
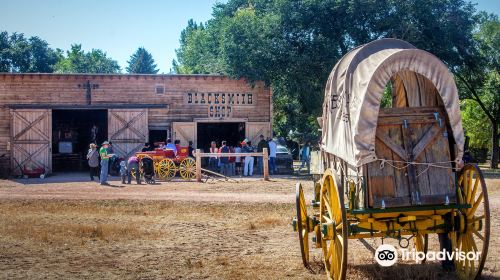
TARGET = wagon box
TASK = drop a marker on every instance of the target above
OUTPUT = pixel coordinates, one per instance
(393, 170)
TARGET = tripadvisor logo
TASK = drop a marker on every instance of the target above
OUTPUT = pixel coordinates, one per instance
(387, 255)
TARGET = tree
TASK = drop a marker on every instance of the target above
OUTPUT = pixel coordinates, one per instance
(141, 62)
(293, 45)
(478, 79)
(4, 52)
(78, 61)
(19, 54)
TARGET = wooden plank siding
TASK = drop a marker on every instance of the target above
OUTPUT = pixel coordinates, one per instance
(63, 90)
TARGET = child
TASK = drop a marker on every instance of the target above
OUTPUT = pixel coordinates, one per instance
(123, 171)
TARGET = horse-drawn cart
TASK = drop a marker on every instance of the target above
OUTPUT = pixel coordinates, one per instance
(393, 168)
(167, 164)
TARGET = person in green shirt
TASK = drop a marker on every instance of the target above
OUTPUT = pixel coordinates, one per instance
(103, 153)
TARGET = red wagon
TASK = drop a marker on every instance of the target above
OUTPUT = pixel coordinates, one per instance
(167, 164)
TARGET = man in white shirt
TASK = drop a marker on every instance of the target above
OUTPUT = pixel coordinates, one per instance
(272, 156)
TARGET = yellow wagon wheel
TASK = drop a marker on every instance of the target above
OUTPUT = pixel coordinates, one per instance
(333, 225)
(187, 169)
(472, 225)
(165, 169)
(421, 242)
(303, 224)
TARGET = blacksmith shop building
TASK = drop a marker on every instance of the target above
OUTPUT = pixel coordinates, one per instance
(48, 120)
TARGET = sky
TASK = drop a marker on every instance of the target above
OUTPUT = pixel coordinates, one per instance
(118, 27)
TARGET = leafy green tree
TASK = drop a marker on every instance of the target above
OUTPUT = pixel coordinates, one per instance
(293, 45)
(79, 61)
(478, 79)
(19, 54)
(141, 62)
(4, 52)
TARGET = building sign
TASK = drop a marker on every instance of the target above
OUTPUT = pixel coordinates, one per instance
(220, 104)
(222, 98)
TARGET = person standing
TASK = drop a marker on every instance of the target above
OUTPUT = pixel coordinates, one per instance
(213, 161)
(237, 159)
(260, 147)
(103, 152)
(232, 164)
(93, 160)
(123, 171)
(111, 160)
(224, 161)
(133, 166)
(248, 168)
(305, 156)
(190, 149)
(272, 155)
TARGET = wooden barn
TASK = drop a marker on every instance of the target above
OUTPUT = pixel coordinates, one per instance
(48, 120)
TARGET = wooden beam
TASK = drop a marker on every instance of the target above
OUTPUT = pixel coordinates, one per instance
(428, 138)
(265, 160)
(391, 145)
(198, 165)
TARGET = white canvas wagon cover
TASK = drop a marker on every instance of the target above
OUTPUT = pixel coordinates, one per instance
(354, 91)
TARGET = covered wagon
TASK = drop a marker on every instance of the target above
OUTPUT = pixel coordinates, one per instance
(391, 158)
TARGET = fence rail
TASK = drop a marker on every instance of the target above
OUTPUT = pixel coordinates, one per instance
(265, 159)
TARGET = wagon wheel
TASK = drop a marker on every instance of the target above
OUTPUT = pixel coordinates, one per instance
(421, 242)
(472, 225)
(302, 223)
(165, 169)
(187, 169)
(333, 224)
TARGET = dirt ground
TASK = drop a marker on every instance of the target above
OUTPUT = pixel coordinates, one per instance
(66, 227)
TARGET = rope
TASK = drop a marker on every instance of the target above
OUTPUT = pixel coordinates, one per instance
(394, 164)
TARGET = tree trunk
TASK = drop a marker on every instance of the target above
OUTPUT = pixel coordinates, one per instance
(495, 147)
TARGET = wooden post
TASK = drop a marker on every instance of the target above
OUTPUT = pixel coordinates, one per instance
(265, 160)
(198, 165)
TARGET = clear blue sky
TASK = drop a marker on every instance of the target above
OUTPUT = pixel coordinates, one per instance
(118, 27)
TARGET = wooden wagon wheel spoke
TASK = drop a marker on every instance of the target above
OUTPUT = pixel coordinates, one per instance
(472, 233)
(334, 226)
(187, 168)
(302, 223)
(166, 169)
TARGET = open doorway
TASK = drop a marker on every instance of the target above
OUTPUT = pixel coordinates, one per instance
(218, 132)
(72, 132)
(158, 136)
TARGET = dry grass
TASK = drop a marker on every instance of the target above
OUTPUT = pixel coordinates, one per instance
(127, 239)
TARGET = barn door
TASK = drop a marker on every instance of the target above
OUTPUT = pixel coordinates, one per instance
(185, 132)
(128, 130)
(255, 129)
(416, 135)
(31, 139)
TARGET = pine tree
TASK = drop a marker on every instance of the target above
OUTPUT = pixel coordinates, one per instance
(141, 62)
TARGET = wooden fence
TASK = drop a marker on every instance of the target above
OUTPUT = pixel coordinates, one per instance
(264, 155)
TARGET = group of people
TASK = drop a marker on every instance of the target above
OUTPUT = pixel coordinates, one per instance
(105, 158)
(238, 165)
(225, 165)
(106, 155)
